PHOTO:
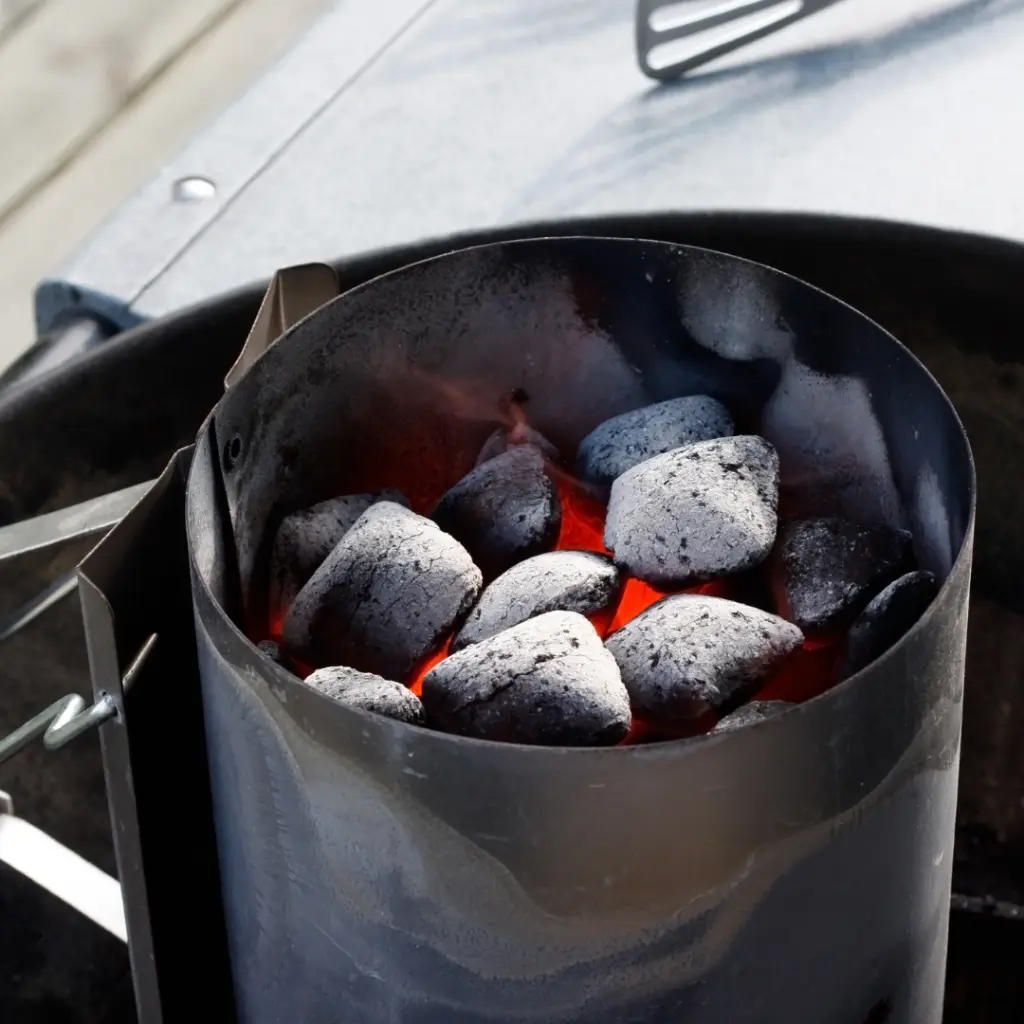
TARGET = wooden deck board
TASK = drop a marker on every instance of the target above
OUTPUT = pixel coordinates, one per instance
(90, 133)
(13, 13)
(72, 67)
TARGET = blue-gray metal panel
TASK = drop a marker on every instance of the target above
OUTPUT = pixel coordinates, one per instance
(504, 111)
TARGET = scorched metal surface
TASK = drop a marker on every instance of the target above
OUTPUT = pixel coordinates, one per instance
(372, 872)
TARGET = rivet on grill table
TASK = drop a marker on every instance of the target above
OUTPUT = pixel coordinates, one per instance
(193, 189)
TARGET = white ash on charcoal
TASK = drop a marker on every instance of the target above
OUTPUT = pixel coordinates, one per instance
(570, 581)
(825, 570)
(690, 654)
(633, 437)
(695, 513)
(886, 618)
(752, 713)
(548, 681)
(385, 597)
(368, 692)
(505, 438)
(269, 649)
(304, 539)
(504, 511)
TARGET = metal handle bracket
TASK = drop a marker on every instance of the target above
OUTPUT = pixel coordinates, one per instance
(61, 871)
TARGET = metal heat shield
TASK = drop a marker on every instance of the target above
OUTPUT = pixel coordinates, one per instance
(134, 583)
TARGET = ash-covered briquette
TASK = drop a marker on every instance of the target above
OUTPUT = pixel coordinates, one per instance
(570, 581)
(548, 681)
(304, 539)
(369, 692)
(627, 440)
(505, 438)
(269, 649)
(503, 511)
(825, 570)
(752, 713)
(690, 654)
(385, 597)
(886, 618)
(697, 512)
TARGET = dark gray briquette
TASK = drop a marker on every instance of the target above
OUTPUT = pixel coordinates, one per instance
(570, 581)
(503, 511)
(825, 570)
(886, 618)
(385, 597)
(633, 437)
(271, 650)
(369, 692)
(304, 539)
(752, 713)
(695, 513)
(690, 654)
(548, 681)
(505, 438)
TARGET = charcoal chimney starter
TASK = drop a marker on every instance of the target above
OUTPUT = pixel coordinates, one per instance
(375, 871)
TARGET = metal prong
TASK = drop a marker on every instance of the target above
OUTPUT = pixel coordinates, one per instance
(716, 29)
(95, 516)
(31, 610)
(69, 717)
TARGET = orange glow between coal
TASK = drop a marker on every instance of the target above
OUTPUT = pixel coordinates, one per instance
(810, 671)
(582, 519)
(416, 685)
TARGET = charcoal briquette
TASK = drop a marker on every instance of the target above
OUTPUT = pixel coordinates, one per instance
(547, 681)
(886, 618)
(752, 713)
(369, 692)
(825, 570)
(385, 597)
(690, 654)
(695, 513)
(304, 539)
(503, 511)
(269, 649)
(633, 437)
(572, 581)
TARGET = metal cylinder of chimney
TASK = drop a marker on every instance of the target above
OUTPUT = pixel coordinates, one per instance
(374, 872)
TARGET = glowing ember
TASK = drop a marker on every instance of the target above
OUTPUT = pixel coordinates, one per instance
(637, 596)
(416, 685)
(641, 732)
(810, 671)
(602, 621)
(582, 518)
(300, 668)
(275, 624)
